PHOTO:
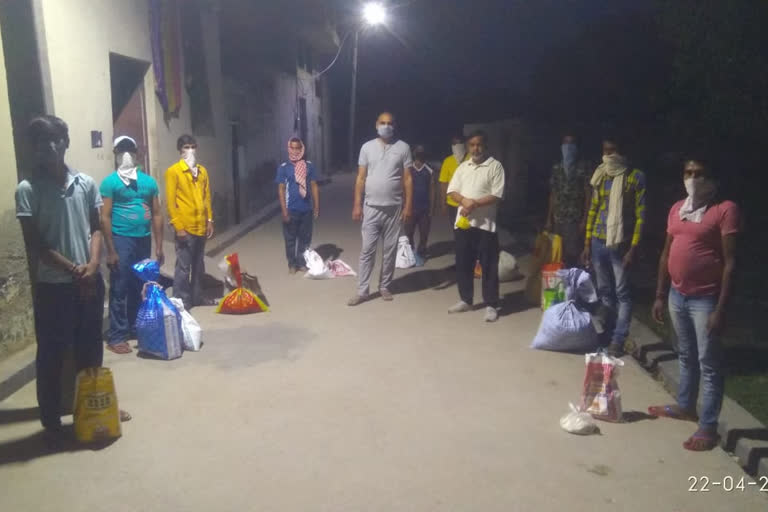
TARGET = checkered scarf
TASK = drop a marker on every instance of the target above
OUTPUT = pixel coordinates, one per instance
(300, 167)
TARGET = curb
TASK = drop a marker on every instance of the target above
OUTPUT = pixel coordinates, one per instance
(741, 434)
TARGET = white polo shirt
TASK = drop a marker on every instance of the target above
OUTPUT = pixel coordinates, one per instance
(475, 181)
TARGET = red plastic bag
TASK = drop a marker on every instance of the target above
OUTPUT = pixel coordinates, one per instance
(241, 300)
(601, 396)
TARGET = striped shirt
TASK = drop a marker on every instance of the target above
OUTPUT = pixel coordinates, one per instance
(634, 208)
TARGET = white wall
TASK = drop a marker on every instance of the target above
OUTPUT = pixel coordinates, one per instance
(80, 36)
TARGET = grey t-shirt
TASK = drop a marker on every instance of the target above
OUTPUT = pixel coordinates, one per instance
(386, 165)
(62, 218)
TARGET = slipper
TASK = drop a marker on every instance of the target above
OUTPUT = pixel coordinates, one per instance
(671, 411)
(120, 348)
(125, 416)
(701, 441)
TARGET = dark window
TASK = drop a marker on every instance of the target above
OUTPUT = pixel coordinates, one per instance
(303, 119)
(318, 88)
(196, 72)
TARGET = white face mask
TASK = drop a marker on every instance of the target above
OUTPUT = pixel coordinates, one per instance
(189, 157)
(126, 161)
(459, 152)
(699, 190)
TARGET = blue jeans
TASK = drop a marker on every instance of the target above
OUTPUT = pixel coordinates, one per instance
(125, 287)
(700, 356)
(298, 237)
(613, 286)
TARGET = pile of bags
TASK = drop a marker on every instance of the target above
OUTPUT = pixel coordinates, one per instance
(240, 300)
(319, 269)
(567, 326)
(163, 327)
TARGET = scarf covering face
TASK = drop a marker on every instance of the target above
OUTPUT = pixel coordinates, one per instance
(570, 152)
(459, 152)
(126, 169)
(296, 156)
(613, 166)
(190, 158)
(700, 193)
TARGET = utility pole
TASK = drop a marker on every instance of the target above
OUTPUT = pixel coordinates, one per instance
(352, 105)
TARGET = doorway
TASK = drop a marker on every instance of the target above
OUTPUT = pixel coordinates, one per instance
(129, 114)
(238, 157)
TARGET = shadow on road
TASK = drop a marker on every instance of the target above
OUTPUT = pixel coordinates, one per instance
(514, 302)
(439, 249)
(18, 415)
(420, 280)
(635, 416)
(39, 445)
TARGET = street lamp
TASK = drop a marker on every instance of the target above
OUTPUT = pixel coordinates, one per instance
(374, 13)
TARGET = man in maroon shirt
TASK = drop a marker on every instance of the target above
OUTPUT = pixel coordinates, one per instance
(699, 258)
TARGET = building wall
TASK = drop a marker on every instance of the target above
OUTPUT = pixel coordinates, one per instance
(266, 109)
(15, 295)
(79, 48)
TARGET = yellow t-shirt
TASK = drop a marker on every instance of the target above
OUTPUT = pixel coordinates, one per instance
(450, 164)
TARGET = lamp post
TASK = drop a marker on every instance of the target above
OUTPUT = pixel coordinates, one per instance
(374, 14)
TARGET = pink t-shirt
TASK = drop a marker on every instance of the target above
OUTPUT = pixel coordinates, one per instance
(696, 254)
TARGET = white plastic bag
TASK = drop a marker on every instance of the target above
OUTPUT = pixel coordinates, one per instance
(340, 269)
(578, 422)
(508, 270)
(567, 326)
(317, 268)
(405, 256)
(192, 333)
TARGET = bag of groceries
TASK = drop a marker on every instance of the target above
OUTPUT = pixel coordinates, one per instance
(96, 414)
(158, 322)
(601, 396)
(241, 300)
(192, 333)
(547, 257)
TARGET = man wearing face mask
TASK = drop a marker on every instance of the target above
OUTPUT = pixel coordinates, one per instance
(477, 187)
(614, 229)
(383, 178)
(569, 198)
(450, 164)
(188, 194)
(131, 216)
(699, 258)
(58, 209)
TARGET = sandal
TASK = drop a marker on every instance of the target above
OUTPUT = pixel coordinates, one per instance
(125, 416)
(671, 411)
(701, 441)
(120, 348)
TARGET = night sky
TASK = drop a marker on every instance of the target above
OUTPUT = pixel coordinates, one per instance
(440, 63)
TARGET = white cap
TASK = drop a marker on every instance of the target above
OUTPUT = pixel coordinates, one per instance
(122, 138)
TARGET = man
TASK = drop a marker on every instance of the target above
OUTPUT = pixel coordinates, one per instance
(614, 229)
(477, 187)
(131, 213)
(569, 199)
(422, 201)
(58, 208)
(188, 194)
(699, 257)
(295, 179)
(450, 164)
(384, 174)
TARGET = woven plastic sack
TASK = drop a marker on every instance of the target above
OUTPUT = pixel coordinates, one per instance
(158, 322)
(240, 301)
(601, 396)
(552, 288)
(96, 414)
(568, 326)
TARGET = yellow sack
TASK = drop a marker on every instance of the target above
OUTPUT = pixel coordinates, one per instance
(97, 416)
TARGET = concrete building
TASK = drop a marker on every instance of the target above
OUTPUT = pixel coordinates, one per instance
(95, 71)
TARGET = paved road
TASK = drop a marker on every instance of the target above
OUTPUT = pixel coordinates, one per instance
(388, 406)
